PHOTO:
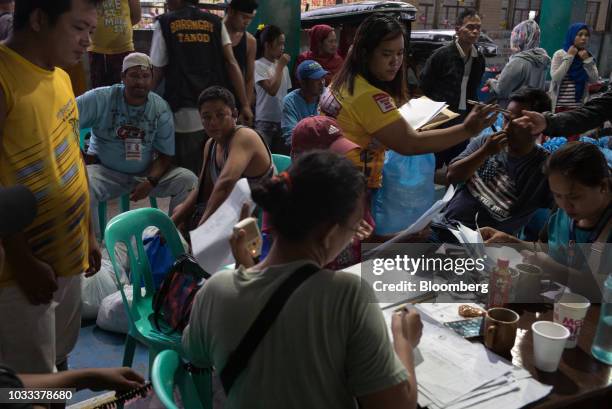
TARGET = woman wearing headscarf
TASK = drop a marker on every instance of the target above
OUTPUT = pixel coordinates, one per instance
(323, 49)
(572, 69)
(526, 67)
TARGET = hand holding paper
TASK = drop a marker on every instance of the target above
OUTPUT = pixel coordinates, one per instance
(210, 241)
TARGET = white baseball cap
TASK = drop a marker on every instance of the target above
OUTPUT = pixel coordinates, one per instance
(136, 60)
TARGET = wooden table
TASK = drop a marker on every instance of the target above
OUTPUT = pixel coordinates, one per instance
(581, 381)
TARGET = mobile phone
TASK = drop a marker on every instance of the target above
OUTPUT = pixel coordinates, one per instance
(468, 328)
(253, 236)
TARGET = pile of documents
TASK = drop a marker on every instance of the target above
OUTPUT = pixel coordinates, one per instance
(423, 113)
(454, 373)
(457, 374)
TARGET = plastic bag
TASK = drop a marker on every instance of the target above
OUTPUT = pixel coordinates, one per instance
(160, 258)
(112, 315)
(407, 191)
(101, 298)
(97, 287)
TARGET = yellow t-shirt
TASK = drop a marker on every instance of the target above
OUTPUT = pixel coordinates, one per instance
(113, 33)
(39, 148)
(360, 115)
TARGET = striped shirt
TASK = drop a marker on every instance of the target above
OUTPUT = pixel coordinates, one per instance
(39, 149)
(567, 94)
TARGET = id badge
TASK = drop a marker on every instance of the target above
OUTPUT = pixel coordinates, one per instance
(133, 149)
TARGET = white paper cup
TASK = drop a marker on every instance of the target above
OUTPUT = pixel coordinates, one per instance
(548, 344)
(570, 310)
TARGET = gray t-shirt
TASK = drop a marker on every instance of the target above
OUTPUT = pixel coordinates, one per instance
(328, 345)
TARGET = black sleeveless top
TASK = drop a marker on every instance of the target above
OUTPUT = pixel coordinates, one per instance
(212, 171)
(240, 53)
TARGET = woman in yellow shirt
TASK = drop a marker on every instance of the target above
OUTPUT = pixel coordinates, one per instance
(365, 94)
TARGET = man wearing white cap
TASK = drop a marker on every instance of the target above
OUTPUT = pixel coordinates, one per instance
(132, 140)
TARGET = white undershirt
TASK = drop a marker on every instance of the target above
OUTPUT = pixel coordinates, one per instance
(467, 60)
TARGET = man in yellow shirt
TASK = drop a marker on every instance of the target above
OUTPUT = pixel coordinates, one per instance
(113, 40)
(40, 283)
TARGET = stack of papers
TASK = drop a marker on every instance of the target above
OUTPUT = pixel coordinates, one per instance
(453, 373)
(457, 374)
(423, 113)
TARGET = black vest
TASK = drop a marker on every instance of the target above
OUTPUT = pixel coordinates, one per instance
(195, 55)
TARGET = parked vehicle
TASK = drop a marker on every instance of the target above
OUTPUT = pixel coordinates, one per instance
(420, 39)
(347, 17)
(421, 43)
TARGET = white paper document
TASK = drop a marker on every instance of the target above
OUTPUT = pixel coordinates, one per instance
(210, 241)
(473, 239)
(453, 367)
(458, 374)
(444, 311)
(465, 235)
(419, 111)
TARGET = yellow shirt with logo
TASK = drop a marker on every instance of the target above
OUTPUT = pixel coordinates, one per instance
(39, 148)
(113, 33)
(360, 115)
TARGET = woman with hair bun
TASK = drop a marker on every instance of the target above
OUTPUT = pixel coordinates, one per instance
(329, 346)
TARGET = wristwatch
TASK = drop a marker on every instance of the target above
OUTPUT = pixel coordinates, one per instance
(153, 181)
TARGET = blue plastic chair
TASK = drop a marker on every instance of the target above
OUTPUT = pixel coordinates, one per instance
(102, 207)
(169, 372)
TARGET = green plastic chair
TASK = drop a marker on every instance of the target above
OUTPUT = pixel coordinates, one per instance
(84, 134)
(169, 372)
(127, 228)
(282, 162)
(125, 206)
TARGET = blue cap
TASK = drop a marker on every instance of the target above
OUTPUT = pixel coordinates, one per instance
(310, 70)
